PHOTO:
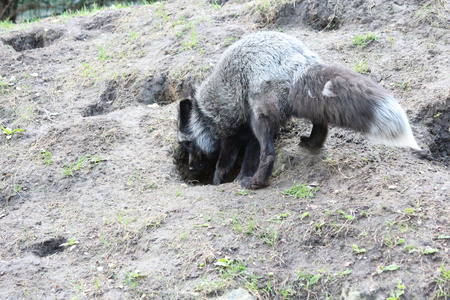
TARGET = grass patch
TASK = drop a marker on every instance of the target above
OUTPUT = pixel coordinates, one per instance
(362, 67)
(301, 191)
(364, 40)
(88, 161)
(3, 86)
(7, 24)
(133, 279)
(190, 43)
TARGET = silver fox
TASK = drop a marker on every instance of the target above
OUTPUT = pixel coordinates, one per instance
(259, 83)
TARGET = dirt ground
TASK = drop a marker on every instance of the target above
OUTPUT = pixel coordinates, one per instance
(96, 201)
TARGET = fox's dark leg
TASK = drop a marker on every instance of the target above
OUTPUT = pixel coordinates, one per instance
(264, 129)
(250, 162)
(229, 149)
(317, 137)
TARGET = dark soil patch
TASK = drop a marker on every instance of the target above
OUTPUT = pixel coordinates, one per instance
(104, 21)
(436, 117)
(48, 247)
(38, 38)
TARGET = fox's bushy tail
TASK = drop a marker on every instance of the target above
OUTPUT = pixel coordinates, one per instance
(339, 96)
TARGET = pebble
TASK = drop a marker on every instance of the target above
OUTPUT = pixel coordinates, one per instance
(238, 294)
(154, 105)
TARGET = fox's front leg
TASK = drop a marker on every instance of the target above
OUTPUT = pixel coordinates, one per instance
(250, 162)
(317, 137)
(229, 150)
(264, 129)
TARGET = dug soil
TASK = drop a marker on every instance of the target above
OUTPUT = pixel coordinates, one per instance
(96, 201)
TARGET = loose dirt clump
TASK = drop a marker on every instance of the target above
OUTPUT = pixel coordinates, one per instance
(103, 106)
(89, 158)
(157, 89)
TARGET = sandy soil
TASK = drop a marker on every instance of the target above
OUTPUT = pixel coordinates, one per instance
(96, 201)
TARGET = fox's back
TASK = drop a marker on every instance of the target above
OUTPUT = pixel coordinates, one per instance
(248, 66)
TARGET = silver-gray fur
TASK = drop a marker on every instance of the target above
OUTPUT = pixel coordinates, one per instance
(264, 79)
(257, 64)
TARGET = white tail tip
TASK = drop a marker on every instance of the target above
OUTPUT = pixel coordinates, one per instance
(391, 126)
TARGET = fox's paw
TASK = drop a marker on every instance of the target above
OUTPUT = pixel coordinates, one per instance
(253, 184)
(308, 142)
(243, 181)
(217, 179)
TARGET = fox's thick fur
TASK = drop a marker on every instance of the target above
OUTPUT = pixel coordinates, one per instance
(263, 80)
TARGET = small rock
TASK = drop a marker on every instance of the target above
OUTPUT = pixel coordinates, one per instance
(392, 187)
(238, 294)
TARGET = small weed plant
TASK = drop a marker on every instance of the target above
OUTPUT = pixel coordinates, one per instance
(9, 132)
(357, 250)
(3, 86)
(348, 217)
(443, 283)
(133, 279)
(216, 5)
(392, 267)
(269, 236)
(191, 42)
(362, 67)
(102, 56)
(47, 156)
(395, 295)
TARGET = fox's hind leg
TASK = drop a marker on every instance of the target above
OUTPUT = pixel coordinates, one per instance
(250, 162)
(317, 137)
(229, 150)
